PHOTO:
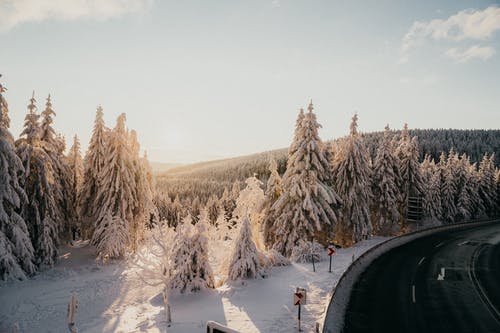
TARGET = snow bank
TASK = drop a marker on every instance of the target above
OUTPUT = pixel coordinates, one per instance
(334, 320)
(112, 298)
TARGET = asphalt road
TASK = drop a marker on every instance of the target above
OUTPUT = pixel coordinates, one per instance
(402, 291)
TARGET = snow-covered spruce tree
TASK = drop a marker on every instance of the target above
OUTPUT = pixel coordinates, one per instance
(16, 250)
(249, 203)
(112, 236)
(464, 202)
(244, 260)
(93, 165)
(307, 207)
(235, 190)
(272, 194)
(477, 207)
(296, 139)
(195, 209)
(385, 190)
(54, 146)
(273, 188)
(116, 196)
(4, 109)
(487, 188)
(144, 206)
(431, 200)
(497, 183)
(175, 212)
(41, 211)
(75, 164)
(203, 276)
(411, 180)
(213, 208)
(181, 269)
(228, 204)
(352, 172)
(448, 190)
(150, 193)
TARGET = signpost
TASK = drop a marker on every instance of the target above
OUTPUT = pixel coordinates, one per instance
(299, 298)
(331, 252)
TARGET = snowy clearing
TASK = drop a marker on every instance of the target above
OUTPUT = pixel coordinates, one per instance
(113, 299)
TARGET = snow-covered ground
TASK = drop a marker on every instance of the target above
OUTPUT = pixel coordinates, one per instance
(114, 299)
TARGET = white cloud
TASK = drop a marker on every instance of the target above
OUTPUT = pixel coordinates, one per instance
(472, 52)
(468, 24)
(15, 12)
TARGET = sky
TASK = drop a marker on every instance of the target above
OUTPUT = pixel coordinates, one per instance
(201, 80)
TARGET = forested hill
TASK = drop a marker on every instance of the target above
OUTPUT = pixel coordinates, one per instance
(434, 141)
(207, 178)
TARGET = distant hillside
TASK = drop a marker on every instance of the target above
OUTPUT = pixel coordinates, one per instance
(159, 167)
(210, 178)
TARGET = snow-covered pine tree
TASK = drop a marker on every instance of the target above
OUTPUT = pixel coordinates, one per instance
(176, 211)
(464, 182)
(4, 109)
(235, 191)
(384, 188)
(213, 208)
(195, 209)
(41, 211)
(180, 269)
(93, 165)
(272, 194)
(111, 236)
(307, 207)
(497, 183)
(203, 276)
(75, 164)
(249, 203)
(448, 189)
(116, 195)
(228, 204)
(487, 188)
(144, 206)
(298, 126)
(477, 207)
(54, 146)
(431, 200)
(16, 250)
(149, 204)
(244, 259)
(352, 172)
(411, 180)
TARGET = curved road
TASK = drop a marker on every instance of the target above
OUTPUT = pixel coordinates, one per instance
(402, 290)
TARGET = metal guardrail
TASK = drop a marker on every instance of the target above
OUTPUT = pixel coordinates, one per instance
(335, 313)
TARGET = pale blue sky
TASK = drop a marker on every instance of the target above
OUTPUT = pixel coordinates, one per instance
(206, 79)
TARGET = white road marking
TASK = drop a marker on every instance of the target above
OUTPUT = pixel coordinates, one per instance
(439, 244)
(413, 293)
(421, 261)
(462, 243)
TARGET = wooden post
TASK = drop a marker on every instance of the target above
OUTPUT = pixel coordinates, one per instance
(72, 307)
(312, 257)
